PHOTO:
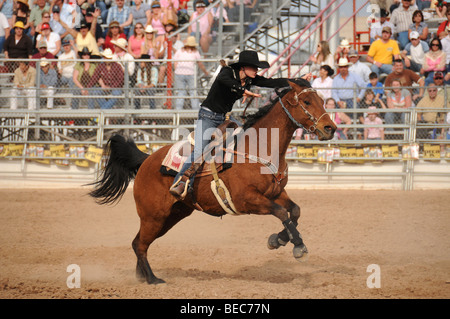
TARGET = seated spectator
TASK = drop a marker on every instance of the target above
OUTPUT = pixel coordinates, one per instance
(376, 27)
(45, 18)
(146, 82)
(110, 76)
(323, 56)
(234, 7)
(217, 13)
(342, 51)
(358, 67)
(4, 30)
(338, 118)
(324, 83)
(152, 46)
(51, 38)
(157, 20)
(372, 118)
(382, 52)
(419, 26)
(114, 33)
(398, 98)
(66, 65)
(401, 19)
(17, 46)
(369, 99)
(345, 82)
(431, 100)
(7, 8)
(182, 13)
(407, 79)
(24, 85)
(376, 86)
(443, 26)
(43, 54)
(136, 41)
(443, 89)
(440, 7)
(62, 12)
(126, 59)
(445, 41)
(48, 81)
(204, 25)
(414, 52)
(185, 72)
(101, 5)
(36, 15)
(82, 74)
(140, 12)
(120, 13)
(22, 14)
(434, 61)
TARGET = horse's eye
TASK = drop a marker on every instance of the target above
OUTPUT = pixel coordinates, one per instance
(307, 103)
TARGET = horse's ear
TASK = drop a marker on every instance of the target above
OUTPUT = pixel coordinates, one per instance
(293, 85)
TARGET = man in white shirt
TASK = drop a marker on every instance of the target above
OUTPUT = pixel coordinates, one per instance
(358, 67)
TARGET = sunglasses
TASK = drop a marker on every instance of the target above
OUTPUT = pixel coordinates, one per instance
(438, 78)
(434, 44)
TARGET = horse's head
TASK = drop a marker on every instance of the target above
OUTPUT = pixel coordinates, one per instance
(306, 108)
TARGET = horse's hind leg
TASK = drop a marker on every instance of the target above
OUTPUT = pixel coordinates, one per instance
(146, 235)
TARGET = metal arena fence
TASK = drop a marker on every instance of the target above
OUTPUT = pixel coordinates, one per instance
(68, 133)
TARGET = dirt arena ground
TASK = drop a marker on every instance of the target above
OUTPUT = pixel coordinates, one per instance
(43, 231)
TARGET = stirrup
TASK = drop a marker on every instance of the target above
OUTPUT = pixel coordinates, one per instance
(178, 190)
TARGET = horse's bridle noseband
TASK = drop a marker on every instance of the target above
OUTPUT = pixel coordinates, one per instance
(315, 121)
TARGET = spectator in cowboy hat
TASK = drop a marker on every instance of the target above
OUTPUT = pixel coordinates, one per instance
(345, 81)
(22, 14)
(121, 54)
(85, 37)
(382, 52)
(342, 50)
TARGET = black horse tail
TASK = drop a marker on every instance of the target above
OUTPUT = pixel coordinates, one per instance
(123, 163)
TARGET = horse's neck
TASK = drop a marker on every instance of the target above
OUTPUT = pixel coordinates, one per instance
(279, 128)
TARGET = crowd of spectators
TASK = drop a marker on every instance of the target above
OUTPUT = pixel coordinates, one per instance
(406, 66)
(403, 53)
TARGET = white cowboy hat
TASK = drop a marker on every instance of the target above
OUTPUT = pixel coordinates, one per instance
(108, 54)
(121, 43)
(343, 62)
(44, 62)
(149, 29)
(344, 43)
(190, 42)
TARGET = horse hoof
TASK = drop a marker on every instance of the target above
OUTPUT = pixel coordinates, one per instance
(300, 253)
(275, 242)
(155, 281)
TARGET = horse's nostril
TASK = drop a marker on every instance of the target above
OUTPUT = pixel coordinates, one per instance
(328, 129)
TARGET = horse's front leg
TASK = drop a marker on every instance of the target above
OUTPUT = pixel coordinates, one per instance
(290, 232)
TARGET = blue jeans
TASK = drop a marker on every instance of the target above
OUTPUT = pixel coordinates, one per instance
(390, 118)
(76, 101)
(403, 40)
(385, 68)
(2, 41)
(109, 102)
(183, 85)
(144, 92)
(206, 124)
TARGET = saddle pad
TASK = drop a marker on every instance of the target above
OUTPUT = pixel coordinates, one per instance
(173, 161)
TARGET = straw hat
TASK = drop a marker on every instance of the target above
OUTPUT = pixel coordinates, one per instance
(344, 43)
(121, 43)
(44, 62)
(108, 54)
(343, 62)
(149, 29)
(190, 42)
(25, 2)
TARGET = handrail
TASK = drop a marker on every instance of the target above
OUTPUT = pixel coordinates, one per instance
(300, 34)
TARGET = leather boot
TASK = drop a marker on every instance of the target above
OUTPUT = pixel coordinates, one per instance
(180, 187)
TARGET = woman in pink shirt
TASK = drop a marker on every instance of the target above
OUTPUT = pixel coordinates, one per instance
(136, 40)
(204, 23)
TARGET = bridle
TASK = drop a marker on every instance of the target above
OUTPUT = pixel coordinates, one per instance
(315, 121)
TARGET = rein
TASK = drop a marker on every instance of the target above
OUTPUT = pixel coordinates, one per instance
(315, 121)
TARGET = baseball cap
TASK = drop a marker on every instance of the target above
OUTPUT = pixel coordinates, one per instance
(56, 9)
(352, 52)
(387, 29)
(414, 35)
(42, 44)
(45, 26)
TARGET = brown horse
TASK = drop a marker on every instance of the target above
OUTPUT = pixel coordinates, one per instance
(251, 191)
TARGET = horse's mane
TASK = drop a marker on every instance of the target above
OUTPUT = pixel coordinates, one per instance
(251, 119)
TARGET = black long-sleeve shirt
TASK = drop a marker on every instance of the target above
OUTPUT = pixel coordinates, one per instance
(21, 49)
(227, 89)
